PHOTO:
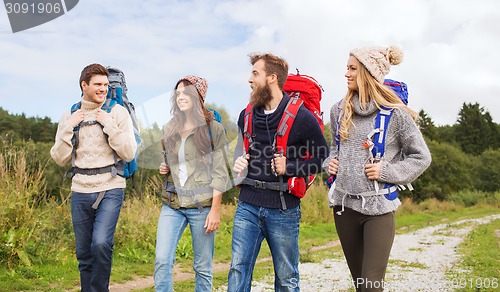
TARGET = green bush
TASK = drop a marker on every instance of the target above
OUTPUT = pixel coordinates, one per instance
(451, 171)
(472, 198)
(488, 171)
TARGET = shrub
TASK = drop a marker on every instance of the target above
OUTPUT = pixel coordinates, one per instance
(33, 225)
(451, 170)
(472, 198)
(314, 206)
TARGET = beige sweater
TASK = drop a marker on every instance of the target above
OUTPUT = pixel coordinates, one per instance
(92, 150)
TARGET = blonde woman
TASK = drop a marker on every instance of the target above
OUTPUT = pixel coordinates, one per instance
(363, 197)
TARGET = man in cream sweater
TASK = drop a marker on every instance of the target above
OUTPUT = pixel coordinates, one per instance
(97, 194)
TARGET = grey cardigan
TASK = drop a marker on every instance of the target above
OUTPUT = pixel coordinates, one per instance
(406, 158)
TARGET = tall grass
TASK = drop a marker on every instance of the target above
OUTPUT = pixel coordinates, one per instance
(314, 206)
(32, 225)
(36, 229)
(409, 207)
(136, 230)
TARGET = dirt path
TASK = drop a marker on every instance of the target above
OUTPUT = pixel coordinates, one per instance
(143, 283)
(419, 262)
(148, 282)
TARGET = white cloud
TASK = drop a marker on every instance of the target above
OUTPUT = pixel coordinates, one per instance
(450, 49)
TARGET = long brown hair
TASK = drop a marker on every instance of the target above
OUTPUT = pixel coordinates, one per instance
(368, 88)
(202, 118)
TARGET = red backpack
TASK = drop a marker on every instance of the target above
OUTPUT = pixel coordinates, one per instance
(303, 90)
(309, 90)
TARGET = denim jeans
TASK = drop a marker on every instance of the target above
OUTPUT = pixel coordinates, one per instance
(94, 235)
(280, 228)
(171, 225)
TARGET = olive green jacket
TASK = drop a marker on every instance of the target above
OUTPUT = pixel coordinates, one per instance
(205, 172)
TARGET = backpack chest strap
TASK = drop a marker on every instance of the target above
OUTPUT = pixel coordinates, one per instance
(116, 168)
(379, 137)
(265, 185)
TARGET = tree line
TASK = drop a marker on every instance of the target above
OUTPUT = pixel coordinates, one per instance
(20, 127)
(466, 155)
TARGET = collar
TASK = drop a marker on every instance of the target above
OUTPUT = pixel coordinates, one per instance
(369, 108)
(90, 105)
(263, 120)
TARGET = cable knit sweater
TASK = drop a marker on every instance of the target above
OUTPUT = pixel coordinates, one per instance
(406, 157)
(93, 151)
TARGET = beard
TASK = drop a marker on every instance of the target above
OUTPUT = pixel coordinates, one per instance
(260, 96)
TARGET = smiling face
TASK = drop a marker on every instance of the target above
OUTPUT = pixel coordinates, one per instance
(96, 89)
(183, 100)
(352, 73)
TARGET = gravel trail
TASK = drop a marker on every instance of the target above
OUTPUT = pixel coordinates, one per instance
(419, 261)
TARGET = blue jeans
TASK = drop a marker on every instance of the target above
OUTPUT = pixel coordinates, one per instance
(280, 228)
(171, 225)
(94, 235)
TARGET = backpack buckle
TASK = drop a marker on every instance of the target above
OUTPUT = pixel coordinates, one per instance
(92, 171)
(260, 184)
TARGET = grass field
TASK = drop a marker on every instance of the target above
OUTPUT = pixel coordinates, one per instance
(37, 242)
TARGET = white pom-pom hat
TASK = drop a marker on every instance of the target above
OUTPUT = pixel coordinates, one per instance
(378, 60)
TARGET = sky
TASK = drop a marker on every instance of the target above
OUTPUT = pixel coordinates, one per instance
(450, 48)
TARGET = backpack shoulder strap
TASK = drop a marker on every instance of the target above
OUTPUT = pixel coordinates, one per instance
(210, 135)
(76, 130)
(286, 122)
(76, 107)
(247, 128)
(109, 104)
(381, 122)
(337, 132)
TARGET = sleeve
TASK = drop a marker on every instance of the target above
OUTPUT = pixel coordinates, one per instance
(61, 151)
(311, 137)
(334, 117)
(238, 151)
(120, 133)
(415, 155)
(220, 174)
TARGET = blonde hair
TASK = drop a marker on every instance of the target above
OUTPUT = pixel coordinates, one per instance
(368, 89)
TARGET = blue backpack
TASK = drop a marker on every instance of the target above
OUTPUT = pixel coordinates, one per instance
(399, 88)
(117, 94)
(381, 122)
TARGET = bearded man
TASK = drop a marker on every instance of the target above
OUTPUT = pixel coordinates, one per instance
(265, 212)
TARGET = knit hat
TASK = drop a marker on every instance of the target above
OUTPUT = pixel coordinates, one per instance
(199, 83)
(378, 60)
